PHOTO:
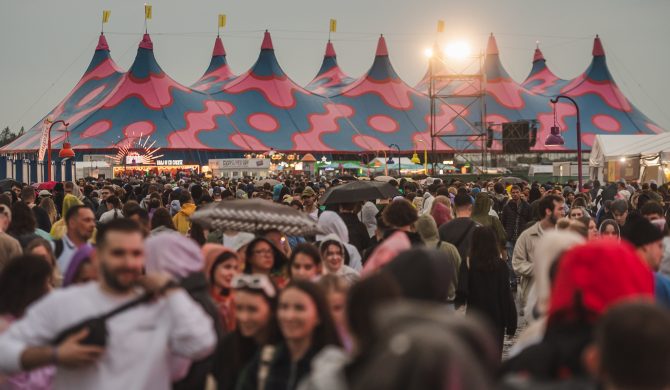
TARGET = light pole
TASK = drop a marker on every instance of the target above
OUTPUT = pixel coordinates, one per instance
(65, 152)
(556, 139)
(425, 155)
(399, 161)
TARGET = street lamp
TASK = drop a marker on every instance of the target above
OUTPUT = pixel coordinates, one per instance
(556, 139)
(425, 155)
(399, 159)
(65, 152)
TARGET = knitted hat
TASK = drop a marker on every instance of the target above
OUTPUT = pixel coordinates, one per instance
(639, 231)
(595, 276)
(174, 254)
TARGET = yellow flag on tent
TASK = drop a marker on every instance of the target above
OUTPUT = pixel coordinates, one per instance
(440, 26)
(333, 25)
(147, 11)
(222, 20)
(105, 15)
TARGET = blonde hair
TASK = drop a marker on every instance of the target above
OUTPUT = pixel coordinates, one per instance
(50, 207)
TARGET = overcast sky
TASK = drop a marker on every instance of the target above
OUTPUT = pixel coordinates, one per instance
(47, 44)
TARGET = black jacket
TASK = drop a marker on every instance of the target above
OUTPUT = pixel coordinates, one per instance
(458, 232)
(514, 218)
(42, 218)
(358, 233)
(490, 295)
(283, 375)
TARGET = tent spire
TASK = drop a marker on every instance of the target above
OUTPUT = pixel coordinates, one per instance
(267, 41)
(219, 50)
(146, 42)
(598, 50)
(102, 43)
(381, 47)
(330, 50)
(538, 53)
(492, 46)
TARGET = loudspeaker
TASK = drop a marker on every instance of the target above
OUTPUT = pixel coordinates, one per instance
(516, 137)
(489, 137)
(533, 133)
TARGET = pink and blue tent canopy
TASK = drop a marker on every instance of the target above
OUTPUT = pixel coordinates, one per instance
(264, 109)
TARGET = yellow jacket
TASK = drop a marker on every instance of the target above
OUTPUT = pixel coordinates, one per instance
(182, 220)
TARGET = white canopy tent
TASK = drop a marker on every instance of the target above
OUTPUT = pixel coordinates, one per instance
(641, 155)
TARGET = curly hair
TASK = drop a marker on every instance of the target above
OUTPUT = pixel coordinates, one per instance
(400, 213)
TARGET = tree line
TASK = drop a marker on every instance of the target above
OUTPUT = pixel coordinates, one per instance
(7, 135)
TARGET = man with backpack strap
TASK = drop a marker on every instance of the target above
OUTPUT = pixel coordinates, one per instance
(80, 222)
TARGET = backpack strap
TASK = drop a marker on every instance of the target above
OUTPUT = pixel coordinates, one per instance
(59, 245)
(267, 355)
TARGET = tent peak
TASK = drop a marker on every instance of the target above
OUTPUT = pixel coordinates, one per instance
(219, 50)
(598, 50)
(267, 41)
(102, 43)
(330, 50)
(382, 50)
(538, 56)
(492, 46)
(146, 42)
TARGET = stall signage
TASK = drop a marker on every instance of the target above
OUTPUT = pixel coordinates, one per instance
(170, 162)
(238, 163)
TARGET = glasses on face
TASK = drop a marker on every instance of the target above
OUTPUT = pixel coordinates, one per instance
(118, 252)
(254, 282)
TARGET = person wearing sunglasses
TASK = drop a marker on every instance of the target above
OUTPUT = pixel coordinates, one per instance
(307, 327)
(135, 351)
(263, 257)
(255, 300)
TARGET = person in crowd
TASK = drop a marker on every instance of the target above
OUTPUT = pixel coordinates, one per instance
(333, 255)
(549, 250)
(401, 215)
(81, 268)
(648, 241)
(23, 226)
(441, 210)
(590, 224)
(114, 207)
(222, 265)
(489, 291)
(515, 216)
(48, 205)
(551, 209)
(654, 212)
(631, 348)
(422, 274)
(358, 232)
(80, 227)
(161, 221)
(368, 215)
(59, 228)
(610, 229)
(619, 210)
(263, 257)
(88, 200)
(576, 212)
(182, 219)
(305, 263)
(9, 246)
(336, 290)
(481, 215)
(307, 327)
(105, 193)
(589, 278)
(41, 247)
(255, 311)
(24, 281)
(175, 324)
(330, 223)
(180, 258)
(41, 216)
(459, 230)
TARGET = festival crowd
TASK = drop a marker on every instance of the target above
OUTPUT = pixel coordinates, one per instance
(109, 284)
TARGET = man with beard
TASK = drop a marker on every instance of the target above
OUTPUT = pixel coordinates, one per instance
(551, 209)
(140, 340)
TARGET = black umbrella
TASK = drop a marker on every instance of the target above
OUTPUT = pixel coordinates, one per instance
(358, 191)
(255, 215)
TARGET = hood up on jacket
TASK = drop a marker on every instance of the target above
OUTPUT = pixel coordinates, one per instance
(427, 229)
(331, 223)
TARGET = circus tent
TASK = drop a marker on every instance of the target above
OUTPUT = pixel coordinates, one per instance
(264, 109)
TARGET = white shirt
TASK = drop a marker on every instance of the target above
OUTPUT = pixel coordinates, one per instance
(69, 249)
(139, 346)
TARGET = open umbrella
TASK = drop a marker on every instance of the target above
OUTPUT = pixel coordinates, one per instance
(271, 182)
(47, 185)
(358, 191)
(383, 178)
(255, 215)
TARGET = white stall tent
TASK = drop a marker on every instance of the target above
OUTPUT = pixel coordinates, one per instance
(651, 152)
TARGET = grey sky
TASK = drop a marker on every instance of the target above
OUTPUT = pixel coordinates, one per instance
(47, 44)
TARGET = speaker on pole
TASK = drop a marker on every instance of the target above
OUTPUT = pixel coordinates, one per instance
(516, 137)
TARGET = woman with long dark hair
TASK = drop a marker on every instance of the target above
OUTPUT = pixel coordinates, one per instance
(305, 262)
(24, 280)
(307, 326)
(489, 292)
(222, 266)
(23, 226)
(263, 257)
(255, 300)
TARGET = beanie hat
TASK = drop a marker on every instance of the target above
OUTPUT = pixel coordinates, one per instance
(639, 231)
(598, 274)
(174, 254)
